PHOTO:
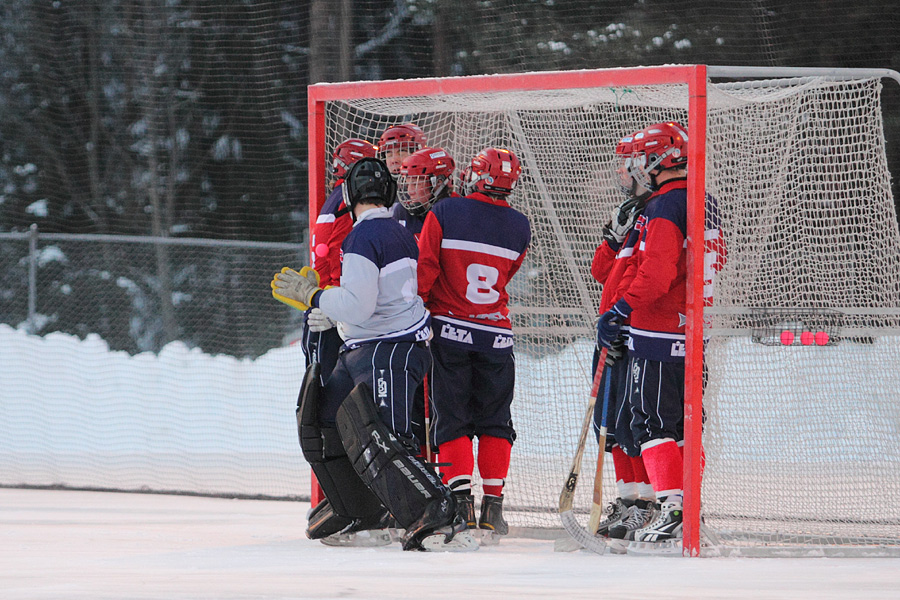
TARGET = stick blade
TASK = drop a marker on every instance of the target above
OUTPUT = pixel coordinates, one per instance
(579, 534)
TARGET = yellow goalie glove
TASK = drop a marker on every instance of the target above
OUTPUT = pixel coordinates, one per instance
(295, 289)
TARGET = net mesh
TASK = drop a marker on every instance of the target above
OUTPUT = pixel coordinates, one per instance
(798, 437)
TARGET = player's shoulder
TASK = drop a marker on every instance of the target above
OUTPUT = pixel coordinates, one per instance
(334, 202)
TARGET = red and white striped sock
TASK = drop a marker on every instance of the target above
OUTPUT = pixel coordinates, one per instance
(457, 475)
(493, 463)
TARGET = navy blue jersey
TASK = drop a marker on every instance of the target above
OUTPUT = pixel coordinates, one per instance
(412, 222)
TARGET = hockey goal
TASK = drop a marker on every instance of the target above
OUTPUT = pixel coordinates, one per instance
(800, 436)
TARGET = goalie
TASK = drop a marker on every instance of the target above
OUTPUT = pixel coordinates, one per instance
(359, 440)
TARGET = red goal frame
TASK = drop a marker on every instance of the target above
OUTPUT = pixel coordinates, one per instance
(696, 78)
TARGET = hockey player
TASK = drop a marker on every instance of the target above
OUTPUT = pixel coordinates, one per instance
(398, 142)
(425, 177)
(363, 452)
(634, 506)
(655, 301)
(470, 248)
(320, 341)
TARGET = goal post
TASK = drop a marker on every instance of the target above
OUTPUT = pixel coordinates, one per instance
(795, 160)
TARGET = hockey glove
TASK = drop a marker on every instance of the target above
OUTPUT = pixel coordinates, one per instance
(296, 289)
(616, 350)
(318, 321)
(622, 221)
(610, 324)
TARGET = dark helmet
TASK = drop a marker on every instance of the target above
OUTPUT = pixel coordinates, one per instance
(369, 181)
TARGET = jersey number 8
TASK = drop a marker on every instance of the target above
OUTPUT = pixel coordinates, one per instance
(482, 279)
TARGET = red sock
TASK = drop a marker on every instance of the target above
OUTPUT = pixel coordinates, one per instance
(459, 454)
(493, 463)
(664, 465)
(622, 465)
(640, 471)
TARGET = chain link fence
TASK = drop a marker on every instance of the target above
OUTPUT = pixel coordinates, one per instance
(140, 293)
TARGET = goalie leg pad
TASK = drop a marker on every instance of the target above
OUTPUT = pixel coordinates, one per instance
(403, 483)
(308, 414)
(348, 498)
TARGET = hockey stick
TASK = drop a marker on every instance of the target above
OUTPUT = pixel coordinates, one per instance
(428, 456)
(567, 496)
(597, 503)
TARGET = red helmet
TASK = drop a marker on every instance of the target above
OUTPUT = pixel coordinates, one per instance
(657, 148)
(625, 147)
(663, 145)
(408, 136)
(347, 153)
(436, 167)
(494, 171)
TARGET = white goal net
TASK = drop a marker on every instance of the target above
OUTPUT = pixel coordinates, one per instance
(800, 438)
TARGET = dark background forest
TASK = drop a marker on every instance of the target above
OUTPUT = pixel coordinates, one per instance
(187, 118)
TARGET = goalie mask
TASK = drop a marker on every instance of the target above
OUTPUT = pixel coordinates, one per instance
(347, 153)
(658, 148)
(369, 182)
(398, 142)
(494, 171)
(425, 177)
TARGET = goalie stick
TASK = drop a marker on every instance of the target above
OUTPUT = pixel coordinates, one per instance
(567, 496)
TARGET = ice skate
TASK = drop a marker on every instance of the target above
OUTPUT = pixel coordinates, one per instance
(614, 514)
(638, 515)
(663, 535)
(364, 533)
(439, 529)
(465, 508)
(367, 538)
(491, 521)
(449, 538)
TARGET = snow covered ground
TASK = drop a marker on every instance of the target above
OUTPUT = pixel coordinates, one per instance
(70, 545)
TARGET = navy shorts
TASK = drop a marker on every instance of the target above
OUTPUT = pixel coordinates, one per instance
(471, 393)
(656, 393)
(618, 411)
(393, 370)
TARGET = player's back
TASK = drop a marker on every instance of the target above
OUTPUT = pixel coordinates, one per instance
(483, 242)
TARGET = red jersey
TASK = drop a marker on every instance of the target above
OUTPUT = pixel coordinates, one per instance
(610, 267)
(469, 249)
(657, 293)
(332, 226)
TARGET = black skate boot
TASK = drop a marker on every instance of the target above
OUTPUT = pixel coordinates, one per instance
(492, 515)
(638, 515)
(465, 508)
(615, 512)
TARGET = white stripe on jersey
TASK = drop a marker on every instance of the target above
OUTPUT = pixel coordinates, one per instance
(325, 219)
(479, 247)
(656, 334)
(475, 325)
(397, 265)
(625, 252)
